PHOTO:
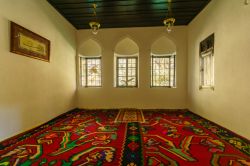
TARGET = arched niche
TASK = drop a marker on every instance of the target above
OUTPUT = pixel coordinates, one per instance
(163, 45)
(90, 48)
(126, 47)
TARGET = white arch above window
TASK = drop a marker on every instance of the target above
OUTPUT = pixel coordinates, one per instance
(90, 48)
(163, 45)
(126, 47)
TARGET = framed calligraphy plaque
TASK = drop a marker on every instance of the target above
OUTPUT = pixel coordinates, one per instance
(28, 43)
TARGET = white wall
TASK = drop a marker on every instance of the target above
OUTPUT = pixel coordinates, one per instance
(228, 105)
(126, 47)
(33, 91)
(142, 97)
(90, 48)
(158, 48)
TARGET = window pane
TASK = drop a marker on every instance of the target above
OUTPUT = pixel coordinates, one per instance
(122, 72)
(121, 60)
(163, 71)
(91, 72)
(206, 69)
(122, 81)
(122, 65)
(131, 81)
(126, 71)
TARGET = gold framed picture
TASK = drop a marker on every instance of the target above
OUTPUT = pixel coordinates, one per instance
(28, 43)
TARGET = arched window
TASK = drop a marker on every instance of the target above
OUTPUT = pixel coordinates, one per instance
(126, 63)
(163, 63)
(90, 64)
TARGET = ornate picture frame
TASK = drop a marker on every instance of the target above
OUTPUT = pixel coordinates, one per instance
(28, 43)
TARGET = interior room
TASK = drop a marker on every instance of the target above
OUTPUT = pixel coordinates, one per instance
(204, 55)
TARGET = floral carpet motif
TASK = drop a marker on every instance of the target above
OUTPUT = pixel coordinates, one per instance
(92, 137)
(183, 138)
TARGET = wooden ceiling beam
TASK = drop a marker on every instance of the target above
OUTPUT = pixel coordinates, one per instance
(128, 13)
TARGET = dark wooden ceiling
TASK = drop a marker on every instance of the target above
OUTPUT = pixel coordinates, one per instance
(127, 13)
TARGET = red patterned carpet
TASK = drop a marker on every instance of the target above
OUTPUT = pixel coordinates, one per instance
(92, 137)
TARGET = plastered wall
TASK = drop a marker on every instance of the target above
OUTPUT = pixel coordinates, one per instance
(109, 96)
(228, 105)
(33, 91)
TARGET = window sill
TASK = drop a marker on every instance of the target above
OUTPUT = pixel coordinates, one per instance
(126, 87)
(206, 87)
(90, 86)
(170, 87)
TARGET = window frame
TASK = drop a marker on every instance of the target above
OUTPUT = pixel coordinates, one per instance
(204, 55)
(117, 71)
(86, 71)
(206, 50)
(169, 56)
